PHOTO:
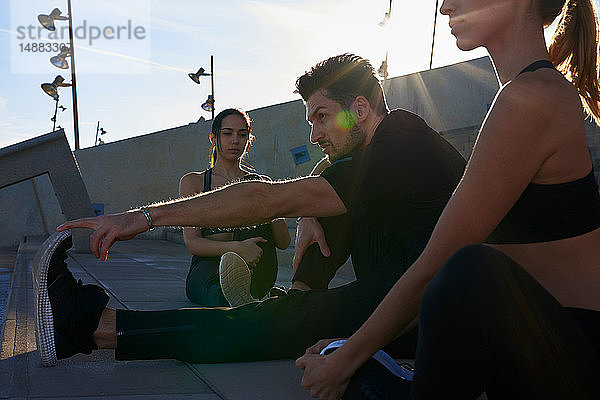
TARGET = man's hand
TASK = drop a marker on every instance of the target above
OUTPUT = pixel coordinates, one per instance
(249, 250)
(309, 231)
(324, 379)
(108, 229)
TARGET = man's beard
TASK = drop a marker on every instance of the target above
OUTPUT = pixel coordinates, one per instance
(355, 139)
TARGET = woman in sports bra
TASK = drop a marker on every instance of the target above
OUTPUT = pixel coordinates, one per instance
(230, 267)
(519, 316)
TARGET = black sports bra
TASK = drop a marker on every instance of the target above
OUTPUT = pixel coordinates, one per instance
(551, 212)
(207, 188)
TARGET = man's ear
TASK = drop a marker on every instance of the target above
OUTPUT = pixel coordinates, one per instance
(361, 108)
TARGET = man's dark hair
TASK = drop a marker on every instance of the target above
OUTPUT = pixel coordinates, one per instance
(342, 78)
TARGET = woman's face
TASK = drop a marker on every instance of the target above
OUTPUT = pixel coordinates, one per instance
(477, 23)
(234, 137)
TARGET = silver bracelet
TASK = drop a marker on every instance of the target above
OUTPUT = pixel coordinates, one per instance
(146, 213)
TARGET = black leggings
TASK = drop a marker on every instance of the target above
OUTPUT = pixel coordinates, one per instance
(317, 271)
(202, 282)
(487, 325)
(272, 329)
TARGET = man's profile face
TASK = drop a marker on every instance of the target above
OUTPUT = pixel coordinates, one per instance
(332, 128)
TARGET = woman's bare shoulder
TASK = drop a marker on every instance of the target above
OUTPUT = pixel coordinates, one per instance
(542, 112)
(547, 95)
(192, 182)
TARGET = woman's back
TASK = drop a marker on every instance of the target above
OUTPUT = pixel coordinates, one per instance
(566, 267)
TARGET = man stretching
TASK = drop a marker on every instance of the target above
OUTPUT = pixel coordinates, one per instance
(390, 173)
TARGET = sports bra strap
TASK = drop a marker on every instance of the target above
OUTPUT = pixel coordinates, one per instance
(207, 180)
(537, 65)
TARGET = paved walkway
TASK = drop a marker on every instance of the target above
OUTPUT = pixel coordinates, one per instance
(145, 275)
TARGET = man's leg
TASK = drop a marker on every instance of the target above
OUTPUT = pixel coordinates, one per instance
(273, 329)
(315, 270)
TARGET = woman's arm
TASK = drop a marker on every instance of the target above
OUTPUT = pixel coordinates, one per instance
(516, 138)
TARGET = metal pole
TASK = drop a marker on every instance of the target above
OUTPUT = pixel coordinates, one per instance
(55, 111)
(73, 81)
(97, 129)
(385, 72)
(433, 39)
(212, 86)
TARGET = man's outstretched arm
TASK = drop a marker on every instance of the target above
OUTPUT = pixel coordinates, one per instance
(237, 205)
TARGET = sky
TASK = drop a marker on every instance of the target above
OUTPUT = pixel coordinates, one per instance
(137, 83)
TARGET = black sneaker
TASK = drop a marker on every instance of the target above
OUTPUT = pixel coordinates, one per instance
(67, 312)
(57, 265)
(280, 291)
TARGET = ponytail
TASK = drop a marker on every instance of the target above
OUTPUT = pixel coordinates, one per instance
(574, 48)
(212, 159)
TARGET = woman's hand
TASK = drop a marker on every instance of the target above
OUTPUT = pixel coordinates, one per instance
(323, 377)
(249, 250)
(319, 346)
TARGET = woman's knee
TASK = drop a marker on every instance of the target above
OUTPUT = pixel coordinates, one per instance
(466, 279)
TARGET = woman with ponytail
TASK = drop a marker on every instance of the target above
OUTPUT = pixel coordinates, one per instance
(506, 294)
(230, 267)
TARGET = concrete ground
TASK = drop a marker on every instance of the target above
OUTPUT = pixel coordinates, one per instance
(140, 274)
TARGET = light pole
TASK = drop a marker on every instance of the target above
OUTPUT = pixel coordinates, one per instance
(433, 38)
(51, 89)
(387, 16)
(383, 69)
(59, 61)
(100, 131)
(209, 104)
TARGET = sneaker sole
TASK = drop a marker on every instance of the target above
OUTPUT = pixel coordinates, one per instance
(44, 321)
(235, 279)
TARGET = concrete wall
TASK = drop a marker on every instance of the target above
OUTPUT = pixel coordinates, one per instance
(28, 208)
(144, 169)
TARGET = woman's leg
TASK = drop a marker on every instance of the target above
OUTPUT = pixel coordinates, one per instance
(264, 273)
(202, 282)
(486, 325)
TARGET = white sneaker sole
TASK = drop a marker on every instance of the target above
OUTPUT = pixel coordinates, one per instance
(44, 322)
(235, 279)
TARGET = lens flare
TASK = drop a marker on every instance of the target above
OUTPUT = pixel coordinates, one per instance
(345, 119)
